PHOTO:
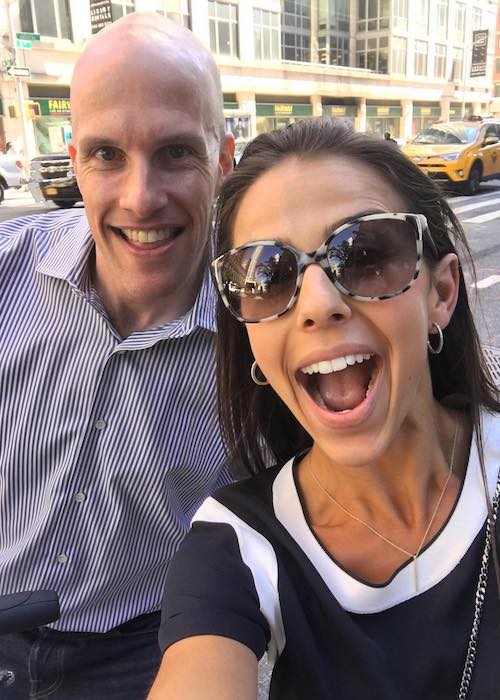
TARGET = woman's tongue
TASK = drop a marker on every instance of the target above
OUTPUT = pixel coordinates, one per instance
(342, 391)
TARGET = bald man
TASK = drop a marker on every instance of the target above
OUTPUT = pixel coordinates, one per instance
(109, 433)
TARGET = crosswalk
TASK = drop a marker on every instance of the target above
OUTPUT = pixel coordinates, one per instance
(479, 209)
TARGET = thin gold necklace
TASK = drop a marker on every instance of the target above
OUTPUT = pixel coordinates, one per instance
(412, 555)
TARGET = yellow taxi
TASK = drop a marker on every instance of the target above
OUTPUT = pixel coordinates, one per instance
(462, 153)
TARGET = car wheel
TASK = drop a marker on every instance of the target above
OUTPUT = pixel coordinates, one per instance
(64, 203)
(472, 184)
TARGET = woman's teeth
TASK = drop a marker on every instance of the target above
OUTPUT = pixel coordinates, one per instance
(138, 235)
(336, 365)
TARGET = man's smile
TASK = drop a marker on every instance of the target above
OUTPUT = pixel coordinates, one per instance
(149, 238)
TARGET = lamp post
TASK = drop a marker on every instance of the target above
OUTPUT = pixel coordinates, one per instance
(17, 80)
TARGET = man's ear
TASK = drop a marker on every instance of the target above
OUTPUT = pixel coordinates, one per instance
(226, 157)
(443, 293)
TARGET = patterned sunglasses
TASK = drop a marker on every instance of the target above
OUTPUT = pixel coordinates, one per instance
(373, 257)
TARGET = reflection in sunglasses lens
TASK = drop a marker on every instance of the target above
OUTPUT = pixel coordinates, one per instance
(259, 281)
(374, 258)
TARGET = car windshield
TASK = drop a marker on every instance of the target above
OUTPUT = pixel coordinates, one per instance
(444, 134)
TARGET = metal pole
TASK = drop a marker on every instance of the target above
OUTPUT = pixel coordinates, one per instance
(19, 90)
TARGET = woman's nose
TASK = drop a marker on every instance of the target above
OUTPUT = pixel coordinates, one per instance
(320, 302)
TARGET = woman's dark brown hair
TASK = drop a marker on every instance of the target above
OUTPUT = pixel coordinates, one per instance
(257, 426)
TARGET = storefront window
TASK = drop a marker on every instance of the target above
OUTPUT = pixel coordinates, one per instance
(239, 126)
(379, 125)
(46, 17)
(266, 33)
(223, 22)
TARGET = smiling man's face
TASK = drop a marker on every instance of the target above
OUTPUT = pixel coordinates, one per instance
(148, 158)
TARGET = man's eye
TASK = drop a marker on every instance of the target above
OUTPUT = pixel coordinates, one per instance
(107, 154)
(177, 152)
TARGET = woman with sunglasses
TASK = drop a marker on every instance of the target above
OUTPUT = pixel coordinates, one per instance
(365, 561)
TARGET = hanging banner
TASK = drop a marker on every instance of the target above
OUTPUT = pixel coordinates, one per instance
(479, 53)
(100, 15)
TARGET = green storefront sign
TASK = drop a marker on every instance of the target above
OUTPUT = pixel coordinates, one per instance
(53, 106)
(426, 111)
(283, 109)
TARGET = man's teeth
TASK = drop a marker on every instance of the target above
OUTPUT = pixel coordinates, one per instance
(336, 365)
(138, 235)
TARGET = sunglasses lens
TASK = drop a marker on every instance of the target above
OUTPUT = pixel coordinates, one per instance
(258, 281)
(375, 258)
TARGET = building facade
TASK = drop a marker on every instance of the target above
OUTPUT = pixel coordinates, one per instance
(384, 65)
(495, 104)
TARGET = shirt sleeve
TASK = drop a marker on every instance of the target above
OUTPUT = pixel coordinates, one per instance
(210, 590)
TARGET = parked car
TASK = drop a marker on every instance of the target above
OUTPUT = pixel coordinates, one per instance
(11, 170)
(52, 180)
(459, 154)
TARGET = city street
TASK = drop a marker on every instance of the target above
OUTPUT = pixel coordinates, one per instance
(480, 216)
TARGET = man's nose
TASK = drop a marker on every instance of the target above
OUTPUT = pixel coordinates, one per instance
(320, 302)
(143, 192)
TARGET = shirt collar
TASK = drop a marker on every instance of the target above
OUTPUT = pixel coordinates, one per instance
(68, 259)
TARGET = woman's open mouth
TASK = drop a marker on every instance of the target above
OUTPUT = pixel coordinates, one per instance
(342, 386)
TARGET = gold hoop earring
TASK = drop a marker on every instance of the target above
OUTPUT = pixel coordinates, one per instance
(436, 350)
(253, 373)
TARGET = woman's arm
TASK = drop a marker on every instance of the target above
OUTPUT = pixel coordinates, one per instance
(206, 668)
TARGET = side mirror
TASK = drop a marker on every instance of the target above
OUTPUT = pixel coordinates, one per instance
(490, 140)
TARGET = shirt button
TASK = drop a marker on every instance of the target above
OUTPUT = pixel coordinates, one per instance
(80, 496)
(62, 558)
(100, 424)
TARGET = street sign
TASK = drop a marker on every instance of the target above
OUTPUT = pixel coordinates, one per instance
(19, 71)
(23, 44)
(27, 36)
(479, 53)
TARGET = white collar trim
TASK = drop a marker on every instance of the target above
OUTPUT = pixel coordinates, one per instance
(435, 562)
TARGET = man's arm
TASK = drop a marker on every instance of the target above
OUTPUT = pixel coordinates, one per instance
(206, 668)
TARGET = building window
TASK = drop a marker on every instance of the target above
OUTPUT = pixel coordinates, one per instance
(223, 21)
(120, 8)
(296, 30)
(421, 57)
(266, 32)
(46, 17)
(440, 61)
(422, 17)
(333, 32)
(497, 89)
(477, 18)
(400, 15)
(442, 18)
(373, 54)
(458, 62)
(177, 10)
(373, 15)
(398, 55)
(459, 22)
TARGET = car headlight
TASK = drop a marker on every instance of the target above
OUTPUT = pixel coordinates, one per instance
(451, 156)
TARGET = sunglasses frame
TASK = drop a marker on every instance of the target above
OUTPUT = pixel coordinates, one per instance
(320, 257)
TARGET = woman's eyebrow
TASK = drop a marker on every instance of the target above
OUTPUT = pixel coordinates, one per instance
(337, 224)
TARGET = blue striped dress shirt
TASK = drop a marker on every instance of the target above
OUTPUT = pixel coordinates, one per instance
(108, 445)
